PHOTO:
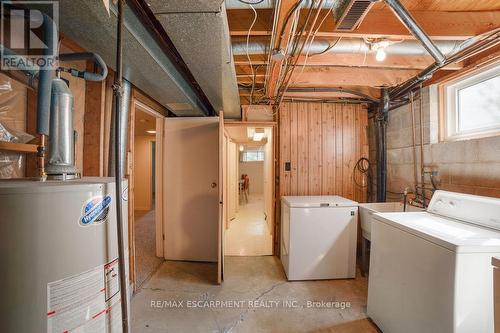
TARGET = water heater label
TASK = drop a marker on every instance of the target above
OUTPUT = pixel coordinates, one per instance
(86, 302)
(96, 210)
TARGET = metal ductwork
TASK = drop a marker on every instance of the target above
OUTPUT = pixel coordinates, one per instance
(349, 16)
(61, 140)
(410, 23)
(124, 111)
(407, 47)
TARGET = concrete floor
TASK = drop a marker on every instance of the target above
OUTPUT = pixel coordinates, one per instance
(162, 304)
(146, 261)
(248, 233)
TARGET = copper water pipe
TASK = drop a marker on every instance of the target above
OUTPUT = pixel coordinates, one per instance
(41, 157)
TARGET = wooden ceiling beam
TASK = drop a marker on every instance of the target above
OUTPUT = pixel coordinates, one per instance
(354, 60)
(384, 24)
(373, 92)
(339, 77)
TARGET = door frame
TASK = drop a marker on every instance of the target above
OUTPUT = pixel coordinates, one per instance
(272, 185)
(139, 100)
(222, 198)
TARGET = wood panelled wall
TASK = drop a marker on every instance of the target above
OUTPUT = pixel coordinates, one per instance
(322, 142)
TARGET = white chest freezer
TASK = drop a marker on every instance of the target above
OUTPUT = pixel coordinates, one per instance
(318, 237)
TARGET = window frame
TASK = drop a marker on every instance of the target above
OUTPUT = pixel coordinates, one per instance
(259, 152)
(451, 110)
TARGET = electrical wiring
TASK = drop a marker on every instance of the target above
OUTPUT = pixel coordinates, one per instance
(292, 11)
(296, 42)
(287, 68)
(251, 2)
(276, 12)
(312, 40)
(288, 49)
(328, 49)
(248, 54)
(302, 47)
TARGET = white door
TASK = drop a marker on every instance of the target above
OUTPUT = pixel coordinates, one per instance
(222, 198)
(191, 195)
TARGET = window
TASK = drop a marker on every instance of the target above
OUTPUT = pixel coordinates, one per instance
(252, 156)
(473, 105)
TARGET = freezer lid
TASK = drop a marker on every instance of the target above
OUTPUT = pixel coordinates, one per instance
(318, 201)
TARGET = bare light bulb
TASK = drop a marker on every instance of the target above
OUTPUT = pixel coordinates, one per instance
(241, 148)
(380, 56)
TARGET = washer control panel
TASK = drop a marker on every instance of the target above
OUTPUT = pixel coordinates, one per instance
(470, 208)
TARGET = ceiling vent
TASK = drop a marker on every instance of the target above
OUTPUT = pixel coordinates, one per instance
(351, 14)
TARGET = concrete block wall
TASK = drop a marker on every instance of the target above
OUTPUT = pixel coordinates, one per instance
(468, 166)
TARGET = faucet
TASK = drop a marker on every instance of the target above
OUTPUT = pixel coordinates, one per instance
(405, 198)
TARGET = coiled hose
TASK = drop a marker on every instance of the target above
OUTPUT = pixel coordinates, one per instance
(364, 167)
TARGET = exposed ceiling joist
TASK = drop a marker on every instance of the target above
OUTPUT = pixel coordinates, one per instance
(353, 60)
(383, 23)
(334, 77)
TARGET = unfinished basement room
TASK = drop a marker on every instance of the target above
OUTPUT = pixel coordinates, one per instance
(250, 166)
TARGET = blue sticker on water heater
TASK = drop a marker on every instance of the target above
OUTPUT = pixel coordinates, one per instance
(96, 210)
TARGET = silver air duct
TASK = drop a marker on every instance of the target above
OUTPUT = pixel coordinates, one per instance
(351, 45)
(61, 164)
(124, 114)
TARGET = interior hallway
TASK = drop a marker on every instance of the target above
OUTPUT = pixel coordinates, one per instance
(247, 279)
(248, 233)
(145, 253)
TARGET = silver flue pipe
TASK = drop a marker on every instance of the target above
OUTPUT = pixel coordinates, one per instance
(410, 23)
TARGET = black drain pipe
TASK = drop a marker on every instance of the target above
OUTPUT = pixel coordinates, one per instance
(381, 117)
(117, 95)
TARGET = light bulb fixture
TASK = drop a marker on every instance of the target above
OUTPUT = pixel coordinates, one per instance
(258, 136)
(242, 148)
(151, 132)
(379, 47)
(380, 55)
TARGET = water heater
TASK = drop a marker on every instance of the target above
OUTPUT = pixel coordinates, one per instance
(59, 255)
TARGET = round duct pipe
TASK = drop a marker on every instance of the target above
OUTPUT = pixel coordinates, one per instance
(236, 4)
(352, 45)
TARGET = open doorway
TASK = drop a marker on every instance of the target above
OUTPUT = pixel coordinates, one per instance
(145, 215)
(250, 200)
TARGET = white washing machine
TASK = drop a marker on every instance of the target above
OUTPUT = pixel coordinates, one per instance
(431, 271)
(318, 237)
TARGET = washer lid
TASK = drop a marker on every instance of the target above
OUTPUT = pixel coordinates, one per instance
(457, 236)
(318, 201)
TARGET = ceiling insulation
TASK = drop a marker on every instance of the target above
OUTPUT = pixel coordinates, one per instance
(202, 39)
(200, 32)
(145, 65)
